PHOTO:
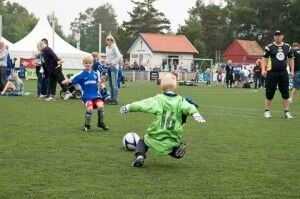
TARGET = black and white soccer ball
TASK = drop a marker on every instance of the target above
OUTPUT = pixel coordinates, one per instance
(130, 141)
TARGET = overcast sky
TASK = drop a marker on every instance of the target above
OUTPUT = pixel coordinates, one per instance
(67, 10)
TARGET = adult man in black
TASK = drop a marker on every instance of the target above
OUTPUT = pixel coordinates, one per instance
(229, 74)
(296, 80)
(274, 66)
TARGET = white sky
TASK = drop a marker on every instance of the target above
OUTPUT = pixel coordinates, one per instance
(67, 10)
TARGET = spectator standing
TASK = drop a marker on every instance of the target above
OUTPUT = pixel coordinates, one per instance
(54, 66)
(113, 58)
(229, 74)
(296, 80)
(208, 76)
(257, 74)
(3, 65)
(9, 67)
(276, 74)
(41, 80)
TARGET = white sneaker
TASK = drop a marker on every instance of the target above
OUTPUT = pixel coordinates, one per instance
(50, 99)
(267, 114)
(290, 100)
(68, 95)
(42, 96)
(287, 115)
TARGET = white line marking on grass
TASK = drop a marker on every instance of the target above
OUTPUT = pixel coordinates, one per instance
(257, 116)
(257, 113)
(221, 92)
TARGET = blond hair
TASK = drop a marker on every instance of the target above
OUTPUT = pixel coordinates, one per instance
(168, 83)
(15, 75)
(41, 45)
(296, 45)
(95, 55)
(112, 38)
(87, 58)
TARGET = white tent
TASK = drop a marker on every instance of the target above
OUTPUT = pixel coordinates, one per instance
(27, 47)
(6, 42)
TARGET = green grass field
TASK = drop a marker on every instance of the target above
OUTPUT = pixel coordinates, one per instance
(44, 152)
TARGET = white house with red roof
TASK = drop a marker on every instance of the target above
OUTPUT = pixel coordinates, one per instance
(155, 50)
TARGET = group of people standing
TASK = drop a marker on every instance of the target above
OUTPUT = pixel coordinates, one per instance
(271, 72)
(49, 72)
(10, 83)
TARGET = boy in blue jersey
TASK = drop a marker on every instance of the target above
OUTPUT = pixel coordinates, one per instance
(92, 98)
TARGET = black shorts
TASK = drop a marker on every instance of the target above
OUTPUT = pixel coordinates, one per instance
(280, 79)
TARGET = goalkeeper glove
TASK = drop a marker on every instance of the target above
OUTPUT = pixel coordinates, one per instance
(198, 118)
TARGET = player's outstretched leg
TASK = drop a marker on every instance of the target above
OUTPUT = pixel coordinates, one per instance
(179, 151)
(140, 154)
(101, 123)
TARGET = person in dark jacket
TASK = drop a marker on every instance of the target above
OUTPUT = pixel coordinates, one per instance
(53, 69)
(257, 74)
(229, 74)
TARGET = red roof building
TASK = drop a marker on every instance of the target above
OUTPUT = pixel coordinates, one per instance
(243, 51)
(157, 50)
(168, 43)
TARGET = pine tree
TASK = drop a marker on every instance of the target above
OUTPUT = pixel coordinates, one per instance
(145, 18)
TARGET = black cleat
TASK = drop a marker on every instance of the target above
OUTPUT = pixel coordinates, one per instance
(87, 128)
(138, 161)
(103, 126)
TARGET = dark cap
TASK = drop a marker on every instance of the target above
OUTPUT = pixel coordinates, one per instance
(278, 32)
(45, 41)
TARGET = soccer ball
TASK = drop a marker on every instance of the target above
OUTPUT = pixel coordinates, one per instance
(130, 141)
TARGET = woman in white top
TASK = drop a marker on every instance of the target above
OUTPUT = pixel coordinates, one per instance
(113, 58)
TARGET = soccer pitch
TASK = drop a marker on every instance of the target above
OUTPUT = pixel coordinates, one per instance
(44, 152)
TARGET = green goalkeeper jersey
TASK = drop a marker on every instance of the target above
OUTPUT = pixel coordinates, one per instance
(165, 132)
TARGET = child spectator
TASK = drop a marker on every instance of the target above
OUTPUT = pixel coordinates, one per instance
(103, 90)
(208, 76)
(164, 134)
(14, 87)
(121, 78)
(90, 85)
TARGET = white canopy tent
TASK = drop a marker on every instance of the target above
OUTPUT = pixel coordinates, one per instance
(27, 47)
(6, 42)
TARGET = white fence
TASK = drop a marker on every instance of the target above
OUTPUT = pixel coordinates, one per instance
(145, 75)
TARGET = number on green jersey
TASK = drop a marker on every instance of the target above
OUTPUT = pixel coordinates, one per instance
(168, 121)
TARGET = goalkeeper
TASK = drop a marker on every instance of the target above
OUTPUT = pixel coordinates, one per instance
(164, 134)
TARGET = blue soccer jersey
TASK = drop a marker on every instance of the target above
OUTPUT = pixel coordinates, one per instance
(89, 84)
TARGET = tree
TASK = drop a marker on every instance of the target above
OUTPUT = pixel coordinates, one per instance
(258, 19)
(88, 25)
(193, 30)
(145, 18)
(17, 22)
(105, 15)
(214, 20)
(57, 28)
(294, 22)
